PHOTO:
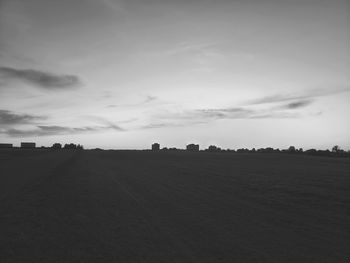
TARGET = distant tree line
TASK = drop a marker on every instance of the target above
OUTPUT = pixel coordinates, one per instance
(68, 146)
(335, 152)
(32, 145)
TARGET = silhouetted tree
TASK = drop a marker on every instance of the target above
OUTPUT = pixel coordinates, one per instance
(70, 146)
(266, 150)
(291, 149)
(335, 149)
(80, 147)
(173, 149)
(57, 146)
(243, 150)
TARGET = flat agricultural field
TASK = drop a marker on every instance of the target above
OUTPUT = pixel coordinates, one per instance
(142, 206)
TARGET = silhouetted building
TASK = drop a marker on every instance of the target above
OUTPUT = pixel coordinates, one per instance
(155, 147)
(6, 145)
(57, 146)
(28, 145)
(192, 147)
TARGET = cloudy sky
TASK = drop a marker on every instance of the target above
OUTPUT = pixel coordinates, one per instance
(126, 73)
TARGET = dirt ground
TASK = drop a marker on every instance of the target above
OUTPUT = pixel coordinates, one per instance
(141, 206)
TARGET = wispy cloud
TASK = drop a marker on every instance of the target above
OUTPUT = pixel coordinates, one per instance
(276, 115)
(298, 96)
(207, 114)
(288, 107)
(296, 104)
(40, 79)
(157, 125)
(223, 113)
(200, 116)
(186, 47)
(43, 130)
(150, 99)
(10, 118)
(105, 122)
(147, 100)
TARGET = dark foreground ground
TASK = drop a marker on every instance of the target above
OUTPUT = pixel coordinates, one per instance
(124, 206)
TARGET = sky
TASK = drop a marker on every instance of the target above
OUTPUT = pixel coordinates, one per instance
(122, 74)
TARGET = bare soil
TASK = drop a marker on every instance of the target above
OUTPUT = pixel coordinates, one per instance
(142, 206)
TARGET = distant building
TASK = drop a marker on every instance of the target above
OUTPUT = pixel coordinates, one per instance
(155, 147)
(6, 145)
(213, 148)
(28, 145)
(192, 147)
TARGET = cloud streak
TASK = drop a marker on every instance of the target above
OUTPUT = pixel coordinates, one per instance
(206, 115)
(10, 118)
(298, 97)
(297, 104)
(147, 101)
(200, 116)
(46, 130)
(40, 79)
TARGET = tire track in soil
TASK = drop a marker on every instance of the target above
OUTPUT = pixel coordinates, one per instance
(147, 227)
(33, 216)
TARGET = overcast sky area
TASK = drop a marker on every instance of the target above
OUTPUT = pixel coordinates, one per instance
(127, 73)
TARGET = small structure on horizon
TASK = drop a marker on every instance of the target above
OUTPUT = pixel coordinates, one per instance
(155, 147)
(28, 145)
(6, 145)
(192, 147)
(213, 148)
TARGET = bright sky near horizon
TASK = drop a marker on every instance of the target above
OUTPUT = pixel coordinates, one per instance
(127, 73)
